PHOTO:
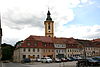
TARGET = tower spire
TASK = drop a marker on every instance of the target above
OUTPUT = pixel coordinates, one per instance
(49, 25)
(48, 16)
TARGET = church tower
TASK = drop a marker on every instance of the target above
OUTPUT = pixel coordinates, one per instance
(49, 26)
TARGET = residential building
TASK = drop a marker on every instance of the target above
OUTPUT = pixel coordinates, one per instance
(60, 47)
(89, 47)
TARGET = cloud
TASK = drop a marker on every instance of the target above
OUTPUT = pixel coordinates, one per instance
(18, 20)
(80, 31)
(21, 18)
(14, 35)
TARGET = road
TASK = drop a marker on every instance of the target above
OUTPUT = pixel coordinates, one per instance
(38, 64)
(12, 65)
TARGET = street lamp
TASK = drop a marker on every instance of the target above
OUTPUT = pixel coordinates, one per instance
(84, 51)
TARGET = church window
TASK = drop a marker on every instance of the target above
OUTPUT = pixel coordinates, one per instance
(49, 26)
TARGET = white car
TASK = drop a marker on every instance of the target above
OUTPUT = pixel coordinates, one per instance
(46, 60)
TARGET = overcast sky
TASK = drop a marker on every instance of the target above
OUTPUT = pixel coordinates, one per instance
(72, 18)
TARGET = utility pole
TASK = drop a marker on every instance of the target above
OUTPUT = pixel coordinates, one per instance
(0, 39)
(83, 44)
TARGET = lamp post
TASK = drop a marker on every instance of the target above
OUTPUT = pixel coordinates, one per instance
(84, 51)
(0, 38)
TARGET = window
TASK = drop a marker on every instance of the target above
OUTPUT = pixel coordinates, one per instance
(57, 51)
(62, 50)
(24, 49)
(24, 56)
(49, 26)
(58, 45)
(37, 49)
(49, 50)
(44, 50)
(28, 56)
(68, 50)
(33, 56)
(33, 49)
(38, 56)
(29, 49)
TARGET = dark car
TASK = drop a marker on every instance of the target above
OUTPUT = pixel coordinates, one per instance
(26, 60)
(93, 62)
(88, 62)
(70, 59)
(6, 61)
(96, 58)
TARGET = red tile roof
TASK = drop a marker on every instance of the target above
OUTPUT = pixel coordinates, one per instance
(49, 40)
(42, 38)
(96, 40)
(55, 40)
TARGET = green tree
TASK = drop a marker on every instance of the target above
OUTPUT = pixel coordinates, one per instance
(7, 52)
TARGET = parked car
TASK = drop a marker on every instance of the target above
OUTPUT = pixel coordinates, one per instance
(92, 62)
(57, 60)
(26, 60)
(88, 62)
(46, 60)
(38, 60)
(70, 59)
(6, 61)
(63, 60)
(76, 58)
(96, 58)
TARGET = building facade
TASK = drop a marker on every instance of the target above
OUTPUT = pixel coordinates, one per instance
(35, 47)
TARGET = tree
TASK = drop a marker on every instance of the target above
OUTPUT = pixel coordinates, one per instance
(7, 51)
